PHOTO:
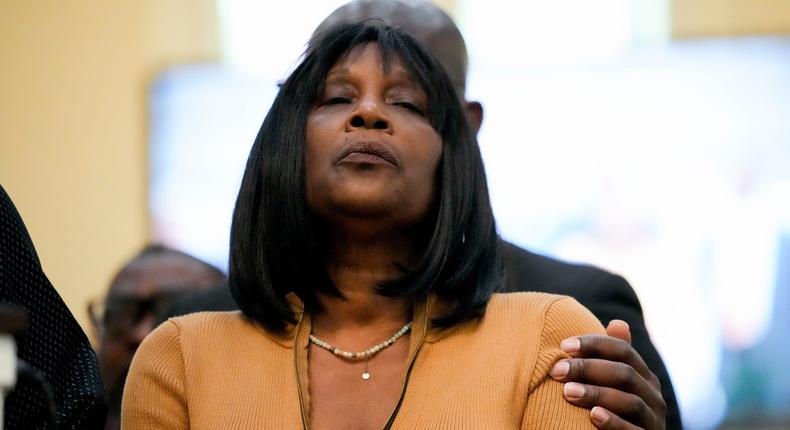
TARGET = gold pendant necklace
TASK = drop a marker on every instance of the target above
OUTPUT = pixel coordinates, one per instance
(364, 355)
(365, 374)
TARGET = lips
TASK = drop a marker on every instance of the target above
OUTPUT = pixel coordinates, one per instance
(367, 151)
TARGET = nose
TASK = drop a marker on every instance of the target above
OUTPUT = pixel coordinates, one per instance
(368, 115)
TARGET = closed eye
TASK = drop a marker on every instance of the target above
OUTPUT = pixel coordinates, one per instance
(335, 101)
(409, 106)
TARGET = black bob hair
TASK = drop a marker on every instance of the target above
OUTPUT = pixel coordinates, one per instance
(275, 244)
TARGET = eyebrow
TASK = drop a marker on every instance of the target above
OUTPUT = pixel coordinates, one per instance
(401, 75)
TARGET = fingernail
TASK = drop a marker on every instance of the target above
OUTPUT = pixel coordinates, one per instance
(599, 415)
(572, 344)
(620, 322)
(560, 369)
(573, 391)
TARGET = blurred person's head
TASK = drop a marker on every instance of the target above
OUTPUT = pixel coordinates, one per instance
(427, 23)
(143, 288)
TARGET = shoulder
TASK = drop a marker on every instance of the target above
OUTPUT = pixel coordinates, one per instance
(195, 329)
(516, 303)
(553, 319)
(206, 322)
(205, 333)
(178, 353)
(192, 346)
(213, 299)
(549, 313)
(525, 317)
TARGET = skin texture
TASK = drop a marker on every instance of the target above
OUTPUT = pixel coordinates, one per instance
(364, 115)
(617, 398)
(428, 24)
(372, 200)
(149, 277)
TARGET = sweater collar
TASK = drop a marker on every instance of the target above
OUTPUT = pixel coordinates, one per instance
(424, 310)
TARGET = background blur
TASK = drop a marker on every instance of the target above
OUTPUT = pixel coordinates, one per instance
(649, 137)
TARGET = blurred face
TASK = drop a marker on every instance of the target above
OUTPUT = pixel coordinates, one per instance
(147, 288)
(370, 150)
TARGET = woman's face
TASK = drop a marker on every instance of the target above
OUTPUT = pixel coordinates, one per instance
(370, 150)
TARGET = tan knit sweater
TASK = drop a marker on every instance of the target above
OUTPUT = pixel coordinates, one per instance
(219, 371)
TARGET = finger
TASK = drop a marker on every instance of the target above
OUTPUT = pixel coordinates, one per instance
(608, 374)
(606, 420)
(607, 348)
(623, 405)
(619, 329)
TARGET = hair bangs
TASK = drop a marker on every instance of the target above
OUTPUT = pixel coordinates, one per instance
(394, 45)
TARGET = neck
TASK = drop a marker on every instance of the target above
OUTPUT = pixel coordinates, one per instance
(356, 268)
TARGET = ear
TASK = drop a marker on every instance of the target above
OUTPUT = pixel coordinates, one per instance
(474, 111)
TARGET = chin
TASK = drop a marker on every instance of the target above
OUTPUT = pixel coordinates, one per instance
(373, 199)
(365, 208)
(372, 194)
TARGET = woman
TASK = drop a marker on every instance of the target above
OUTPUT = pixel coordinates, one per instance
(364, 261)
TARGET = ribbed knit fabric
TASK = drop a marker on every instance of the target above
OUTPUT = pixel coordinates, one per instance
(216, 370)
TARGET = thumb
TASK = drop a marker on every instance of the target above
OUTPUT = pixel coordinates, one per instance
(619, 329)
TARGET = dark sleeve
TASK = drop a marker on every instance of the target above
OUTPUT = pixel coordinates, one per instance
(54, 344)
(610, 297)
